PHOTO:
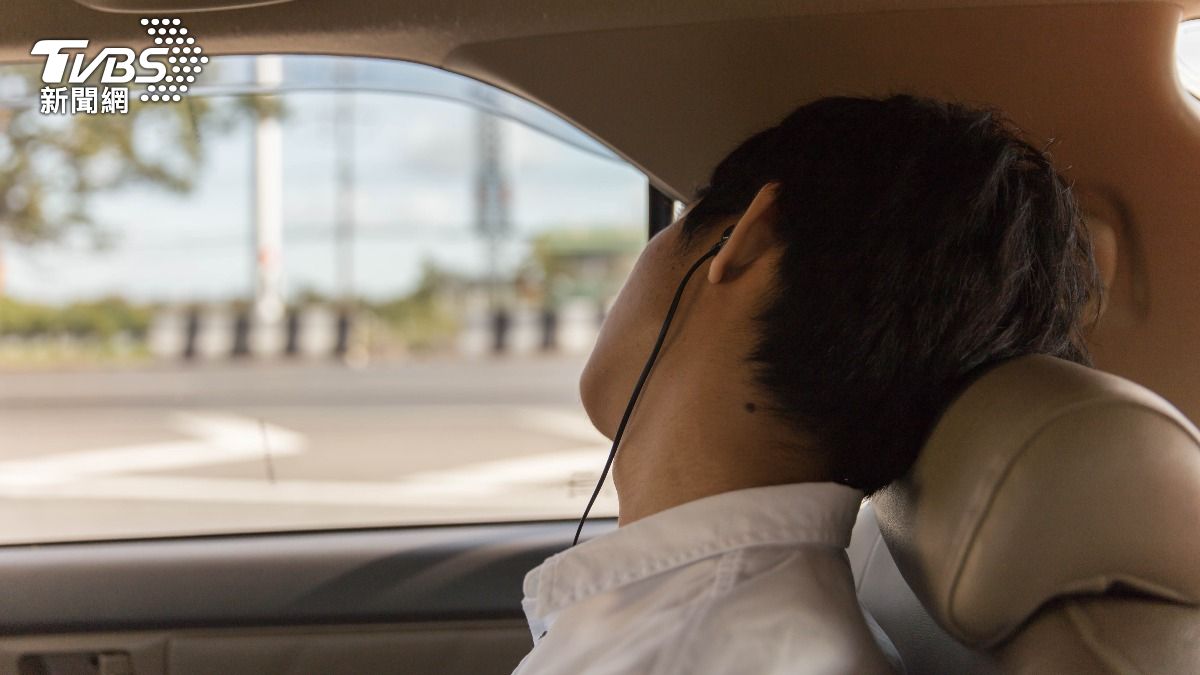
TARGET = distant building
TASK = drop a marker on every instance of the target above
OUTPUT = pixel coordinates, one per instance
(556, 299)
(587, 263)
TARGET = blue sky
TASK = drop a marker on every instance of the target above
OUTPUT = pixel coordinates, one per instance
(414, 162)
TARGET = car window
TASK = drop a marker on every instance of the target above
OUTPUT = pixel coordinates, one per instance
(1187, 49)
(315, 292)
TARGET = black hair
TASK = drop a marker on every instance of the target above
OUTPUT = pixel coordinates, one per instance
(922, 242)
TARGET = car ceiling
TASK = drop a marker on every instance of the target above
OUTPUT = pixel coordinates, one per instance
(673, 84)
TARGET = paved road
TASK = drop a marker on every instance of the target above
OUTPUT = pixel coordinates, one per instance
(222, 448)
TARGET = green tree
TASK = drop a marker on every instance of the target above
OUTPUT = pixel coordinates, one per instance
(51, 165)
(421, 319)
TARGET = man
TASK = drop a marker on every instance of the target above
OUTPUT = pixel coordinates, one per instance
(882, 253)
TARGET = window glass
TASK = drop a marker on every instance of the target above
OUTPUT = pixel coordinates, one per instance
(1187, 49)
(318, 292)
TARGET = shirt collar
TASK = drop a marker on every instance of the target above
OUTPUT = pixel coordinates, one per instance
(791, 514)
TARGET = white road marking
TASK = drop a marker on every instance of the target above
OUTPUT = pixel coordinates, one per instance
(534, 482)
(218, 439)
(525, 479)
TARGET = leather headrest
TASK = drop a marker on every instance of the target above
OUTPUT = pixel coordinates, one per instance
(1042, 479)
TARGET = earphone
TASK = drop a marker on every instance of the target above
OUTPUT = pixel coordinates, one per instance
(641, 381)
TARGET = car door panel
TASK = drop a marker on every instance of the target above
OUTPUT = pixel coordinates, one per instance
(419, 600)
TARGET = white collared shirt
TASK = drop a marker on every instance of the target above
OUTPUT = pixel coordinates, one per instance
(751, 581)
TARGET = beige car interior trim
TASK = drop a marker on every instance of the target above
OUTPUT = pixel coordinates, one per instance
(1046, 480)
(1126, 636)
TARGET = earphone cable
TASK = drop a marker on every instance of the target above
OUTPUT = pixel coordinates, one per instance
(641, 382)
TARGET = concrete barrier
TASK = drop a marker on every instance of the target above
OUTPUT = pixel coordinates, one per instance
(578, 326)
(217, 332)
(319, 331)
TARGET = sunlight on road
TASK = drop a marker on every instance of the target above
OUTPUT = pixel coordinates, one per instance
(210, 471)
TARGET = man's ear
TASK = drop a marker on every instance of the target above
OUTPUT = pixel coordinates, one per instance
(752, 237)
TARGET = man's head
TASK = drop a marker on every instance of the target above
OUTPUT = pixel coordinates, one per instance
(885, 251)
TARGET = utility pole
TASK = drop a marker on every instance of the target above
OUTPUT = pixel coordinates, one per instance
(491, 214)
(268, 201)
(343, 134)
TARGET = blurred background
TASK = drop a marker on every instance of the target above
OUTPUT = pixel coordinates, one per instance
(316, 292)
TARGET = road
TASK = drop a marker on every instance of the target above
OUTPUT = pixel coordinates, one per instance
(212, 448)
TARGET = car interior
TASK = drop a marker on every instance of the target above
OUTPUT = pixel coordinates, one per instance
(1047, 526)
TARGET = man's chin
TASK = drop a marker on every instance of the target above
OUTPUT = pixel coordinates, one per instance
(599, 406)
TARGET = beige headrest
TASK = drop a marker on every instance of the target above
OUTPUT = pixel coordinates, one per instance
(1046, 478)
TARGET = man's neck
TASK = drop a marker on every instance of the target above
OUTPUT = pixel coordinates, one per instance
(703, 446)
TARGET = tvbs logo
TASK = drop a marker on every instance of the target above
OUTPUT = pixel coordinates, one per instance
(166, 70)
